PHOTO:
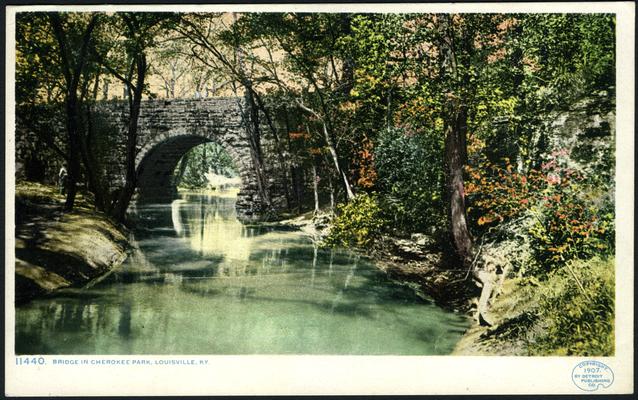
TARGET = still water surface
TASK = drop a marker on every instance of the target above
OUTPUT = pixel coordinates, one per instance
(200, 282)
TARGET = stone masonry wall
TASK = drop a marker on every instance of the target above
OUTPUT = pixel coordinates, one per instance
(167, 129)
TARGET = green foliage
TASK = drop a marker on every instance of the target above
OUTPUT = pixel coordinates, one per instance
(569, 53)
(578, 321)
(357, 223)
(568, 225)
(568, 216)
(192, 170)
(38, 73)
(410, 174)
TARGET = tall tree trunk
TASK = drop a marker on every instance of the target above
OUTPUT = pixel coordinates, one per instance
(90, 165)
(280, 152)
(335, 158)
(72, 68)
(315, 184)
(124, 199)
(74, 149)
(455, 155)
(297, 184)
(252, 122)
(332, 193)
(253, 129)
(455, 125)
(294, 176)
(347, 75)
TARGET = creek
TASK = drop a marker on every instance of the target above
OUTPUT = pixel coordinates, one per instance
(201, 282)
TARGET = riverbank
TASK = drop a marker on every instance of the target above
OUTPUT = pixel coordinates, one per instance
(511, 318)
(56, 250)
(416, 262)
(568, 313)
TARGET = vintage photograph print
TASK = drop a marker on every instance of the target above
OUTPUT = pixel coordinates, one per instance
(201, 182)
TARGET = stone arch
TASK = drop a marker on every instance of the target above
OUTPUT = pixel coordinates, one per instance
(158, 159)
(167, 129)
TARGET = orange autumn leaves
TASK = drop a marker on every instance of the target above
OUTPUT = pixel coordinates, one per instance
(567, 223)
(305, 136)
(498, 192)
(363, 162)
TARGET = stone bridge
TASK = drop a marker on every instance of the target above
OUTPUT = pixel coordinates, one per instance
(170, 128)
(167, 129)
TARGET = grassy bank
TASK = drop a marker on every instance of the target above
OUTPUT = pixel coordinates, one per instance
(566, 314)
(55, 250)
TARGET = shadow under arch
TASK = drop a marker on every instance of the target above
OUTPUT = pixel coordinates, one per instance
(157, 164)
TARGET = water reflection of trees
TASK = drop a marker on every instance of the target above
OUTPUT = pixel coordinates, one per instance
(197, 263)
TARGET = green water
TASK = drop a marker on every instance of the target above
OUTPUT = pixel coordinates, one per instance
(200, 282)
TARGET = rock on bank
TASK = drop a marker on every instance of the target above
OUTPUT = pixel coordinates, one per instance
(55, 250)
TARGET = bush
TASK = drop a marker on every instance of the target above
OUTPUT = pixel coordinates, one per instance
(578, 320)
(568, 227)
(409, 176)
(567, 216)
(357, 223)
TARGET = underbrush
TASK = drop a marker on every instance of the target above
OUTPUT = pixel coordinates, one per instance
(553, 227)
(576, 310)
(357, 224)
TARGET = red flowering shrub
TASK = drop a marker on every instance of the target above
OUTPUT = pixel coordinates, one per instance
(571, 218)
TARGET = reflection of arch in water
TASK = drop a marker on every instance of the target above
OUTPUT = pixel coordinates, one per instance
(210, 227)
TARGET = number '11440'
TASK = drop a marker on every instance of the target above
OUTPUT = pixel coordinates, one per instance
(29, 360)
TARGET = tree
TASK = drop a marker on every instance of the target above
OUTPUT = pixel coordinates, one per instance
(127, 61)
(38, 68)
(310, 44)
(43, 84)
(73, 43)
(203, 31)
(311, 77)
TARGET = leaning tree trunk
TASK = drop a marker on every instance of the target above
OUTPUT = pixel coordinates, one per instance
(119, 211)
(335, 158)
(331, 149)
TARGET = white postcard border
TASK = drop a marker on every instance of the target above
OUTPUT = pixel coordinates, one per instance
(342, 374)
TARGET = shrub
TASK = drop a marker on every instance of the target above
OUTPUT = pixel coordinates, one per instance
(577, 310)
(568, 217)
(409, 176)
(357, 223)
(567, 227)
